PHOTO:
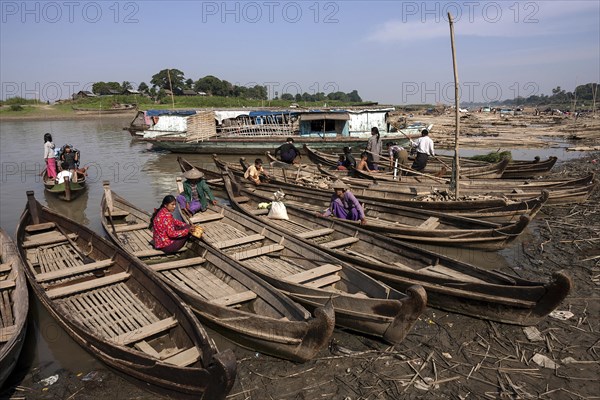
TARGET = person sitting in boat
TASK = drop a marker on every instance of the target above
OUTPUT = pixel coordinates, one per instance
(363, 164)
(344, 204)
(288, 153)
(350, 163)
(69, 158)
(196, 193)
(168, 234)
(65, 173)
(397, 153)
(424, 148)
(340, 164)
(256, 173)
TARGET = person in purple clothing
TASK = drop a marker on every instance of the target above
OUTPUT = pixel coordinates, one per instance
(344, 205)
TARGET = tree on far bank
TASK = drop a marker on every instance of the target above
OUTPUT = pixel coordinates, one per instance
(104, 88)
(126, 85)
(143, 88)
(161, 80)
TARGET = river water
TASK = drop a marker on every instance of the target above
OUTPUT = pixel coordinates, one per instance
(142, 176)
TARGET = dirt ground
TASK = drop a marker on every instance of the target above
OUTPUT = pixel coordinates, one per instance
(446, 356)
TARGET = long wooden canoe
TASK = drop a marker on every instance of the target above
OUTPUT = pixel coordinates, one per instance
(414, 225)
(14, 304)
(514, 169)
(114, 307)
(450, 284)
(68, 190)
(311, 277)
(229, 299)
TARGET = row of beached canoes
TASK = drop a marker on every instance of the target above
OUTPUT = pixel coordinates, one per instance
(255, 280)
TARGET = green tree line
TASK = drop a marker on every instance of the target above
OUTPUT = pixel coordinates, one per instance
(174, 80)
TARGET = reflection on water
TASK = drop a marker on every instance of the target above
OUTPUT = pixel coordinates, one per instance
(74, 209)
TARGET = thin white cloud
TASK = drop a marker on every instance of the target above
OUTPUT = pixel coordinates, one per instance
(490, 19)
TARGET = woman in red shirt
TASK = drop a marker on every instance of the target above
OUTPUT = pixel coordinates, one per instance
(169, 234)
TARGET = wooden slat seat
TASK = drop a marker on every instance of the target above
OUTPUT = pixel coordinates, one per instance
(116, 213)
(325, 281)
(154, 252)
(80, 269)
(7, 332)
(39, 227)
(205, 217)
(7, 284)
(238, 241)
(6, 267)
(235, 298)
(47, 238)
(241, 199)
(314, 273)
(177, 264)
(132, 227)
(315, 233)
(430, 224)
(87, 285)
(144, 332)
(185, 358)
(260, 211)
(341, 242)
(243, 255)
(142, 345)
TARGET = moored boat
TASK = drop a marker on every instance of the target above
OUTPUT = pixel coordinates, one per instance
(450, 284)
(14, 304)
(115, 308)
(67, 190)
(228, 298)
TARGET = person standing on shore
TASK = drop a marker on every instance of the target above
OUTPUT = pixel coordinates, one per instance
(374, 149)
(49, 156)
(424, 147)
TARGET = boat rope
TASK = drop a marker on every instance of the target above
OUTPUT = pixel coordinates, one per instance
(91, 247)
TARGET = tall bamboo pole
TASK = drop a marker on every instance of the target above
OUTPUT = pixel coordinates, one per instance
(171, 87)
(456, 166)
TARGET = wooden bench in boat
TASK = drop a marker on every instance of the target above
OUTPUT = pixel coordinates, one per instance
(450, 273)
(241, 199)
(260, 211)
(7, 284)
(7, 333)
(340, 242)
(315, 233)
(238, 241)
(235, 298)
(430, 224)
(208, 217)
(117, 213)
(132, 227)
(144, 332)
(66, 272)
(154, 252)
(39, 227)
(259, 251)
(47, 238)
(314, 273)
(188, 262)
(184, 358)
(6, 267)
(87, 285)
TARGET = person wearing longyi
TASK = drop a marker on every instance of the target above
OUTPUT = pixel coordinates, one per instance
(169, 234)
(344, 204)
(196, 193)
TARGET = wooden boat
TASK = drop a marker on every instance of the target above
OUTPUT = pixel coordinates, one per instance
(361, 303)
(228, 298)
(450, 284)
(121, 109)
(416, 226)
(14, 304)
(495, 209)
(489, 171)
(67, 190)
(114, 307)
(514, 169)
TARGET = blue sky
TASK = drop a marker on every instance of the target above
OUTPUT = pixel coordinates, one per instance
(390, 51)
